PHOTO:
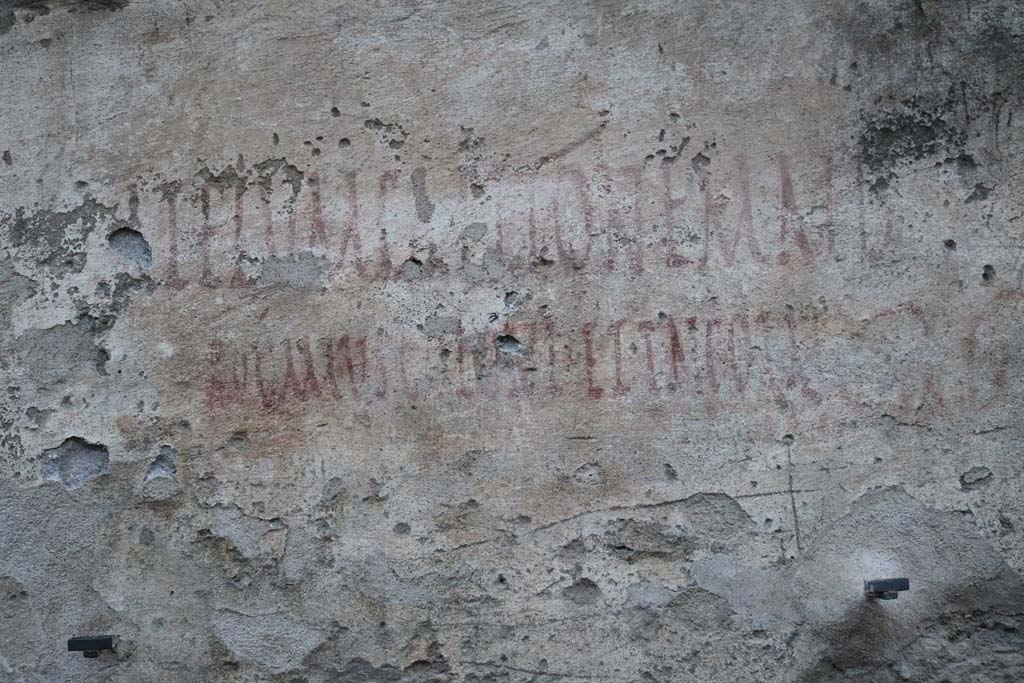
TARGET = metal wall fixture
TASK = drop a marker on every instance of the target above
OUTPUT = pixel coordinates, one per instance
(90, 646)
(886, 589)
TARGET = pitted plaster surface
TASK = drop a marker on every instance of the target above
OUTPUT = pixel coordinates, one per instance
(511, 341)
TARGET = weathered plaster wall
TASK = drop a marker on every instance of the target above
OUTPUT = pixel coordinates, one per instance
(511, 341)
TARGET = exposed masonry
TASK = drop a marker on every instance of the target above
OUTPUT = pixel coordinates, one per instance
(511, 342)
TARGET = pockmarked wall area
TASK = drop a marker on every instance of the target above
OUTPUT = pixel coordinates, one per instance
(511, 341)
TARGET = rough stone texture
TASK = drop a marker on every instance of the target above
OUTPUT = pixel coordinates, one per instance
(506, 341)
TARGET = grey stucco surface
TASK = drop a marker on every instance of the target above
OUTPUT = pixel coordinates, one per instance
(508, 341)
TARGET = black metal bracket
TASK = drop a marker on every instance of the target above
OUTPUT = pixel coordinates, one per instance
(886, 589)
(90, 646)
